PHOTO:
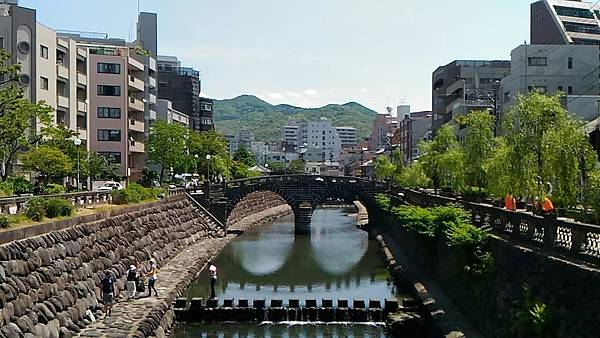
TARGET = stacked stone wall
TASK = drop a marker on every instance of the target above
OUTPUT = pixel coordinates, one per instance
(252, 203)
(47, 282)
(492, 301)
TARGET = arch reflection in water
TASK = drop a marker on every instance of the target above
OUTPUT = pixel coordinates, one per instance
(336, 261)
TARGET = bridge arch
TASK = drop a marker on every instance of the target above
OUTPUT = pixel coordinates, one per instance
(303, 193)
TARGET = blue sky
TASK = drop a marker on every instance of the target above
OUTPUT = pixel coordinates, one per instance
(312, 52)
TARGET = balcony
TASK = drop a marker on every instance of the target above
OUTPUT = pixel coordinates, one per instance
(136, 104)
(135, 64)
(136, 147)
(152, 82)
(81, 79)
(81, 106)
(62, 71)
(152, 98)
(62, 101)
(82, 133)
(152, 63)
(135, 125)
(82, 52)
(63, 42)
(152, 115)
(136, 83)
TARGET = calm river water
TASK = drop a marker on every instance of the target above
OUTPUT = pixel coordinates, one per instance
(336, 260)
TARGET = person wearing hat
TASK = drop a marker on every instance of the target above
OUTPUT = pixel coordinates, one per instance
(152, 274)
(132, 278)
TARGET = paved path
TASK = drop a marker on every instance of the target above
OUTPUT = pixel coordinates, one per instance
(139, 317)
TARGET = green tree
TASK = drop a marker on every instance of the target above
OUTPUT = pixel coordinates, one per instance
(384, 169)
(16, 115)
(166, 145)
(297, 166)
(213, 144)
(49, 161)
(398, 160)
(478, 146)
(243, 155)
(443, 160)
(99, 168)
(568, 159)
(276, 166)
(413, 176)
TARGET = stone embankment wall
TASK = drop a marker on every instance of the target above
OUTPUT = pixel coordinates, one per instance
(47, 282)
(493, 301)
(254, 202)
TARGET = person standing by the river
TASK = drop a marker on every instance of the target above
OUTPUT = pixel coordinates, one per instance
(153, 273)
(212, 270)
(108, 292)
(132, 278)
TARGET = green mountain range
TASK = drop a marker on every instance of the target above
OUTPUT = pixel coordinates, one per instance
(266, 120)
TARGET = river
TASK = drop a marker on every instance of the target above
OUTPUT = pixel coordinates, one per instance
(336, 260)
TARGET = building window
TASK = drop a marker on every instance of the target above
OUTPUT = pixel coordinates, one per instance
(570, 90)
(106, 90)
(570, 62)
(109, 135)
(538, 61)
(109, 68)
(44, 51)
(111, 157)
(43, 83)
(109, 113)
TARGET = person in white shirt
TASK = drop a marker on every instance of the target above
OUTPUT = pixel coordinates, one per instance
(212, 270)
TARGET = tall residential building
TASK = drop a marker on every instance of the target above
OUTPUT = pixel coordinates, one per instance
(559, 22)
(463, 86)
(412, 128)
(321, 138)
(347, 135)
(181, 85)
(118, 90)
(53, 68)
(571, 69)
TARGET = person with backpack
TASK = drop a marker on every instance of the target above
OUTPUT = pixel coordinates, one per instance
(132, 276)
(108, 292)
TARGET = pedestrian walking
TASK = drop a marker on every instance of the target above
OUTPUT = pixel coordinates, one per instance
(212, 270)
(108, 292)
(152, 275)
(132, 276)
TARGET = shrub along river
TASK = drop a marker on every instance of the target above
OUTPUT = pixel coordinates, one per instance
(336, 260)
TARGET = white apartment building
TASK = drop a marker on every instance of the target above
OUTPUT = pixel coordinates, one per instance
(321, 136)
(165, 112)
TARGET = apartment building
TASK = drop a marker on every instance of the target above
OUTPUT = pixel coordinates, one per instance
(412, 128)
(347, 136)
(382, 131)
(559, 22)
(463, 86)
(166, 112)
(119, 74)
(571, 69)
(181, 86)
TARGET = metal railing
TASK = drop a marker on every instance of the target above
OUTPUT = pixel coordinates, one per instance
(17, 204)
(560, 236)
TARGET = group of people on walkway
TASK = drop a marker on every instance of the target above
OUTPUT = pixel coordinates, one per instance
(135, 284)
(545, 207)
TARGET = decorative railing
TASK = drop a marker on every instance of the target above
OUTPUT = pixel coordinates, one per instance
(560, 236)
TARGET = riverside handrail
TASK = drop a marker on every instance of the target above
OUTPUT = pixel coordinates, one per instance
(76, 198)
(567, 238)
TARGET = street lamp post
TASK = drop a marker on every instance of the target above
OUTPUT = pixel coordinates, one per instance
(208, 157)
(77, 143)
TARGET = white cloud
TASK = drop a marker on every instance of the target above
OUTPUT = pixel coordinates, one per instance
(276, 96)
(311, 92)
(292, 94)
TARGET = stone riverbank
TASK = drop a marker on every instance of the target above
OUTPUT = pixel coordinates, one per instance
(153, 317)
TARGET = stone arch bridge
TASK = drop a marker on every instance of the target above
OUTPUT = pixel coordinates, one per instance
(303, 193)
